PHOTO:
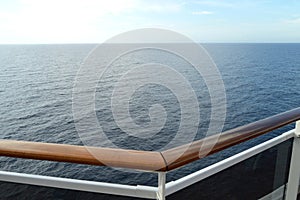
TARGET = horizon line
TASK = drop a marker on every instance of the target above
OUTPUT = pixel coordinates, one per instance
(95, 43)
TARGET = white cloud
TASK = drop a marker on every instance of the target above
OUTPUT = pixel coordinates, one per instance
(59, 21)
(202, 13)
(158, 6)
(215, 3)
(293, 21)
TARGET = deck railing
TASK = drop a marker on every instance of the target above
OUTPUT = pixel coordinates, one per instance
(160, 162)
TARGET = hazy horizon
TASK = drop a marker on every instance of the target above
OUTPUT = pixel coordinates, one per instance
(127, 43)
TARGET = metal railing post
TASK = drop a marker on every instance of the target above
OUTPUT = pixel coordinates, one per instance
(161, 193)
(294, 174)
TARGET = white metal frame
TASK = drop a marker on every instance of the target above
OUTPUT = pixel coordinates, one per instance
(294, 174)
(81, 185)
(164, 189)
(161, 193)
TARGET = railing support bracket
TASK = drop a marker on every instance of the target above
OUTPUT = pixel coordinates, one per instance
(297, 130)
(161, 193)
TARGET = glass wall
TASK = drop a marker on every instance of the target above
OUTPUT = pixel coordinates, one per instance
(16, 191)
(251, 179)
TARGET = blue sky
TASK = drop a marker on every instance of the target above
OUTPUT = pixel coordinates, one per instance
(94, 21)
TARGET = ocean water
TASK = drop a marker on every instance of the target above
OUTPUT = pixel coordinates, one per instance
(37, 81)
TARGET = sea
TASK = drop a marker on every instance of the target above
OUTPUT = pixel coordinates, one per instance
(37, 102)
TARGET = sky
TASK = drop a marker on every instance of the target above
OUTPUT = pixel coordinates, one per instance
(94, 21)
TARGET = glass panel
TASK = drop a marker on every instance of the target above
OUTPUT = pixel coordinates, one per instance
(251, 179)
(298, 197)
(22, 191)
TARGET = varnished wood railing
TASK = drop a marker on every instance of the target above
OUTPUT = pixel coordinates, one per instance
(227, 139)
(143, 160)
(146, 160)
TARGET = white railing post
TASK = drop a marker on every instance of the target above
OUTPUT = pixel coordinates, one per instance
(294, 174)
(161, 193)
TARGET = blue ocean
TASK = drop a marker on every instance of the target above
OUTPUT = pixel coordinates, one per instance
(36, 85)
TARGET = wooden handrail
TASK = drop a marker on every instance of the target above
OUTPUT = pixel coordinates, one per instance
(146, 160)
(142, 160)
(216, 143)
